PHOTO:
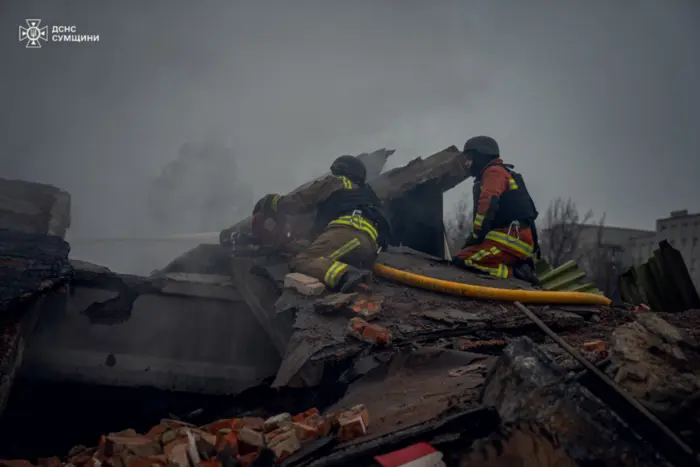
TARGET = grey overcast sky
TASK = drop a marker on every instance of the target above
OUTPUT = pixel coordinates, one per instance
(596, 100)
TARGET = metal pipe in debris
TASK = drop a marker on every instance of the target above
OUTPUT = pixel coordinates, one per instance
(602, 377)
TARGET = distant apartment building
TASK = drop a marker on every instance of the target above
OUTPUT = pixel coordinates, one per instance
(682, 230)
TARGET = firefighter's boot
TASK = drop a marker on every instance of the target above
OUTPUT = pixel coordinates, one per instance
(525, 272)
(354, 278)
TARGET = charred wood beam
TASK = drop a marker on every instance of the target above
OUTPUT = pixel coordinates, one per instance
(444, 170)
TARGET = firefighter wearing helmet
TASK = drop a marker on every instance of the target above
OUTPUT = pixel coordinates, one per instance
(349, 230)
(503, 240)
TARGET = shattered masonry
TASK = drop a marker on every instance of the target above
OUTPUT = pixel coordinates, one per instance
(414, 366)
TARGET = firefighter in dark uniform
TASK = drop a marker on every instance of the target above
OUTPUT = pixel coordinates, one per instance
(349, 230)
(503, 240)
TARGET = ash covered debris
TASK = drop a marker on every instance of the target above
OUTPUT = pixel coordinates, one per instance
(463, 375)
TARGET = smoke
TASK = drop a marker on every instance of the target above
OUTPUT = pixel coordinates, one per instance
(582, 100)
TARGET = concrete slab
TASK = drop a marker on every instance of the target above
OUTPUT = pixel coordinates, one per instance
(191, 336)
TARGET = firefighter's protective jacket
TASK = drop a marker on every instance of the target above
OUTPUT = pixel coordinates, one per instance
(339, 202)
(500, 198)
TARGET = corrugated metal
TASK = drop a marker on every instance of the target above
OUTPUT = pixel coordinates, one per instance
(663, 282)
(568, 277)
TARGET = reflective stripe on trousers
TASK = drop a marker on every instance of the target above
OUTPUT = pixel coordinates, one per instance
(337, 269)
(334, 273)
(500, 271)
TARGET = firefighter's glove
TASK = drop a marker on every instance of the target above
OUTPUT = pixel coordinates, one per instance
(472, 240)
(267, 205)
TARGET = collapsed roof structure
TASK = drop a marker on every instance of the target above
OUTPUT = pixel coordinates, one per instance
(456, 368)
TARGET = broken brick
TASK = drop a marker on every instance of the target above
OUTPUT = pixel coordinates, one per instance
(353, 423)
(277, 421)
(227, 440)
(370, 333)
(320, 423)
(214, 427)
(283, 442)
(305, 432)
(178, 455)
(255, 423)
(170, 436)
(205, 449)
(304, 284)
(157, 431)
(137, 445)
(593, 346)
(306, 414)
(168, 448)
(367, 308)
(334, 303)
(251, 437)
(175, 423)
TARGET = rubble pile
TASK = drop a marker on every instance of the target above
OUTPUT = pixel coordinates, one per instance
(226, 442)
(449, 380)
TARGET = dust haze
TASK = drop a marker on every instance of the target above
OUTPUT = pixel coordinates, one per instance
(593, 100)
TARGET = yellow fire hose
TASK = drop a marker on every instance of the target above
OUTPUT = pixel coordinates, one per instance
(489, 293)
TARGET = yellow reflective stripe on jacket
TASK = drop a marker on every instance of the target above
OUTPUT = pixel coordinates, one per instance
(334, 273)
(510, 241)
(345, 249)
(347, 184)
(512, 184)
(275, 200)
(478, 220)
(357, 222)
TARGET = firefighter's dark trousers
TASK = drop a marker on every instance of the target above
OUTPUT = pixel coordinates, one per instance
(329, 256)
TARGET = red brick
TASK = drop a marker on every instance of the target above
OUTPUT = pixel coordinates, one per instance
(370, 333)
(353, 423)
(283, 442)
(277, 421)
(302, 416)
(227, 440)
(304, 432)
(168, 448)
(255, 423)
(250, 437)
(178, 455)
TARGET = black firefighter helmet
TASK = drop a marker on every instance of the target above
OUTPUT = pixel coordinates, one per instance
(480, 150)
(351, 167)
(483, 145)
